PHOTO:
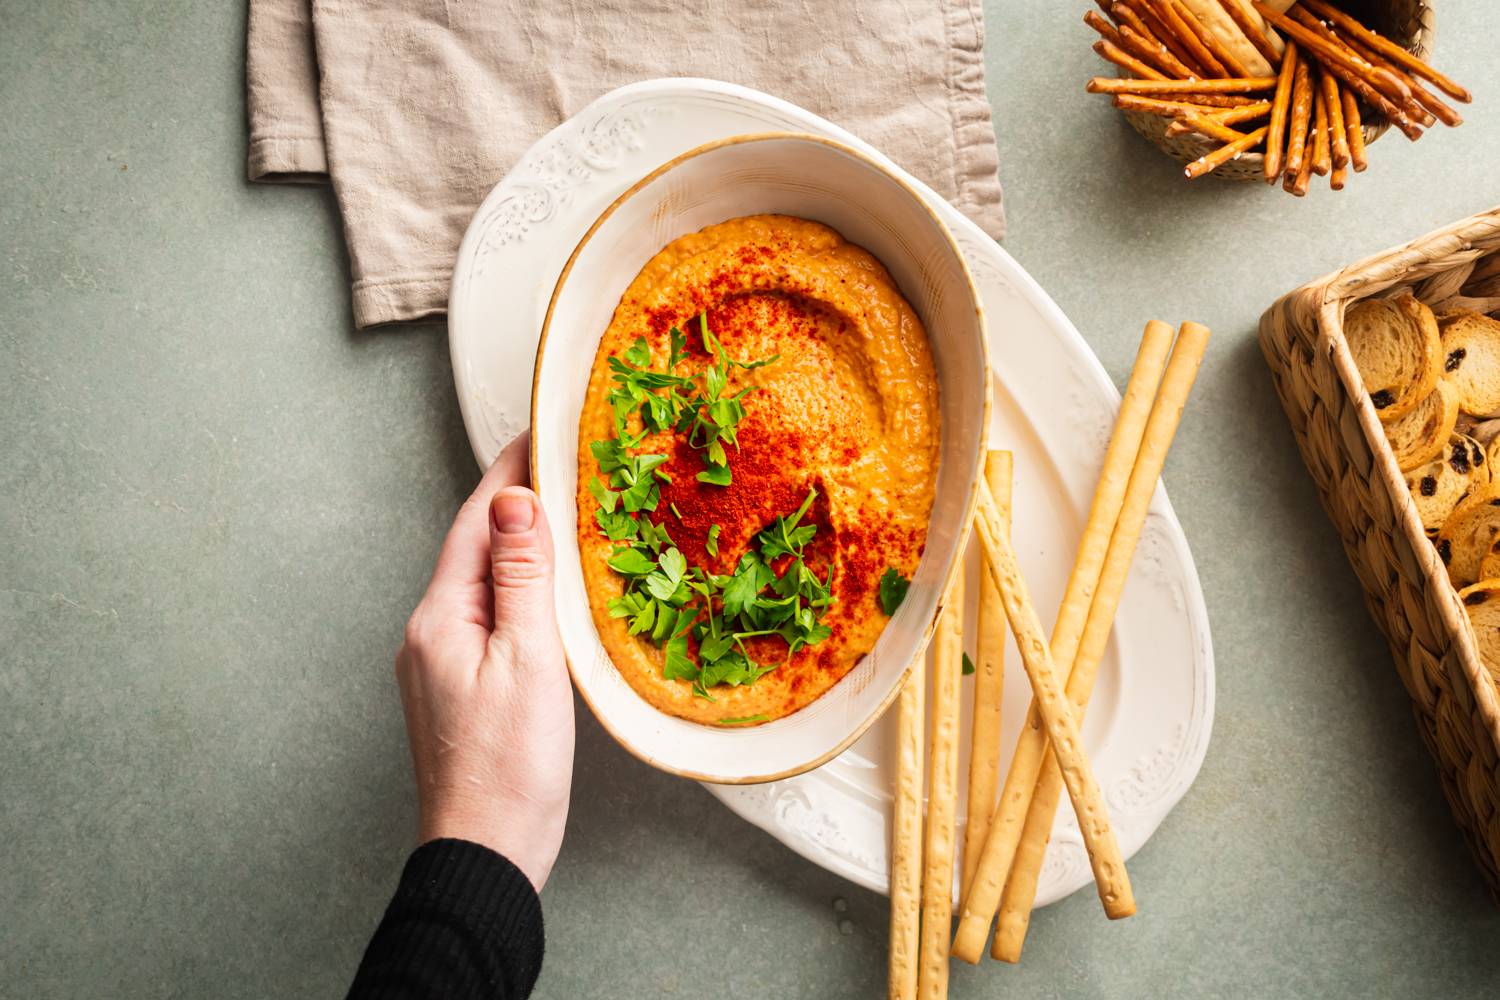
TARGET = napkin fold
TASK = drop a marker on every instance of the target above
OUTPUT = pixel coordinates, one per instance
(414, 109)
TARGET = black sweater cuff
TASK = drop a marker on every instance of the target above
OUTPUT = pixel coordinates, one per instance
(464, 922)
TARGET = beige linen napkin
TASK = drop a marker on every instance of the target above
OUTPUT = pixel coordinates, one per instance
(414, 109)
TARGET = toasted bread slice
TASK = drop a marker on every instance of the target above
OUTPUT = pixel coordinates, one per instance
(1418, 437)
(1442, 484)
(1397, 350)
(1471, 361)
(1469, 534)
(1482, 603)
(1489, 566)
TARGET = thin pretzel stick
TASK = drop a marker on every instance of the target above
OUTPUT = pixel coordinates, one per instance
(1391, 82)
(1322, 161)
(1226, 116)
(1299, 118)
(1230, 151)
(983, 897)
(1180, 30)
(1214, 129)
(1152, 51)
(906, 837)
(1252, 31)
(1297, 183)
(1169, 109)
(989, 685)
(942, 793)
(1232, 66)
(1276, 137)
(1328, 86)
(1158, 30)
(1113, 53)
(1161, 427)
(1389, 49)
(1354, 129)
(1337, 175)
(1241, 85)
(1430, 102)
(1346, 67)
(1106, 30)
(1056, 713)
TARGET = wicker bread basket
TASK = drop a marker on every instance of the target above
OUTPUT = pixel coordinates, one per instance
(1454, 697)
(1407, 22)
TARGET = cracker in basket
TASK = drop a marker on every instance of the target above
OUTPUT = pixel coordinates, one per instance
(1398, 352)
(1469, 534)
(1418, 437)
(1442, 484)
(1482, 604)
(1471, 360)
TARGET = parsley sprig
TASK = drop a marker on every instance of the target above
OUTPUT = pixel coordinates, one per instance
(693, 405)
(668, 601)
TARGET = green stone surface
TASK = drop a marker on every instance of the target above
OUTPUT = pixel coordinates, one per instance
(218, 503)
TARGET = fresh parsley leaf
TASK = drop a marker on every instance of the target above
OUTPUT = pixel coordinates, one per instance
(716, 475)
(968, 665)
(618, 526)
(609, 454)
(639, 353)
(711, 544)
(893, 588)
(631, 562)
(606, 497)
(644, 620)
(677, 665)
(673, 564)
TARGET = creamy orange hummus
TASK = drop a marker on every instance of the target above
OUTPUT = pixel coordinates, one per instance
(850, 407)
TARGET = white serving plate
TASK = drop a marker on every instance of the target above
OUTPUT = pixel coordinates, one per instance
(810, 177)
(1149, 722)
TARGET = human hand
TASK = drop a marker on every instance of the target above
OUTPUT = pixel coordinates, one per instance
(489, 709)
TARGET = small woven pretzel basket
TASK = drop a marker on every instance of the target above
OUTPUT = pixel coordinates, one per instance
(1454, 697)
(1407, 22)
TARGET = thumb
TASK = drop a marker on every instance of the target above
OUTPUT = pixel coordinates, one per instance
(521, 566)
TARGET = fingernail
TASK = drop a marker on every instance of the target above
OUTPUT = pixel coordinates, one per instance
(512, 512)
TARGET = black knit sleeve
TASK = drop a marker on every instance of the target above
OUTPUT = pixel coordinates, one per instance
(464, 922)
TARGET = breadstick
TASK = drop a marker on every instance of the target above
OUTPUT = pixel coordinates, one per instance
(989, 685)
(1301, 115)
(1161, 427)
(942, 793)
(983, 896)
(1336, 177)
(1354, 129)
(1322, 160)
(1280, 107)
(1347, 67)
(1225, 58)
(1328, 86)
(1252, 31)
(1056, 713)
(1391, 82)
(1297, 183)
(1229, 151)
(1138, 15)
(1430, 102)
(906, 837)
(1180, 30)
(1211, 127)
(1152, 51)
(1389, 49)
(1113, 53)
(1242, 85)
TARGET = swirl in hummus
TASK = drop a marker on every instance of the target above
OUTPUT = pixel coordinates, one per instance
(841, 423)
